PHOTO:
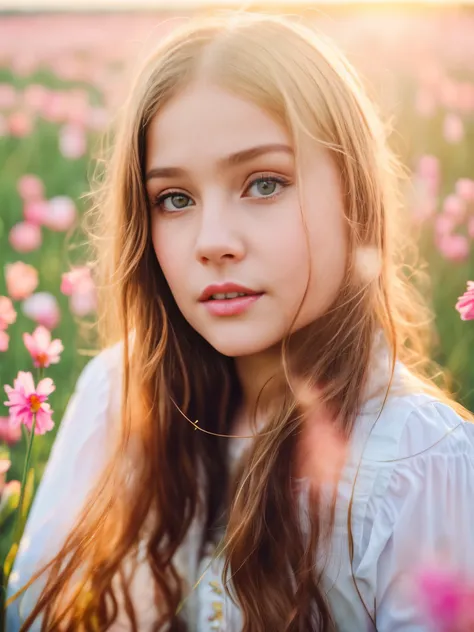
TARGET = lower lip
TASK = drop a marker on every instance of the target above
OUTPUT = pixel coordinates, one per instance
(231, 306)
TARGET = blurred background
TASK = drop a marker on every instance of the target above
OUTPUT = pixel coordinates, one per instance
(64, 68)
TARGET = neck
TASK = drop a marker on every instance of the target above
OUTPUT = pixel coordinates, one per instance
(258, 376)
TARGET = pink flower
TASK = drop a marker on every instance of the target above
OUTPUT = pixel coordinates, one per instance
(72, 141)
(446, 599)
(20, 124)
(454, 207)
(444, 225)
(98, 119)
(4, 341)
(22, 280)
(8, 433)
(465, 189)
(453, 128)
(30, 188)
(36, 212)
(55, 106)
(429, 171)
(7, 313)
(465, 304)
(25, 400)
(79, 285)
(43, 308)
(60, 214)
(43, 351)
(470, 227)
(454, 247)
(78, 280)
(25, 237)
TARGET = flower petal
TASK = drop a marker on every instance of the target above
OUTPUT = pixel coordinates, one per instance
(25, 383)
(44, 422)
(45, 387)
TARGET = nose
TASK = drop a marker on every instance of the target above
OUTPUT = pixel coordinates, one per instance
(219, 239)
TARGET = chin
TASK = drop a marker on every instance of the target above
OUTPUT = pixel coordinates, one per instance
(240, 344)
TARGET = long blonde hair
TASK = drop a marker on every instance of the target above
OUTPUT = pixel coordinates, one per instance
(170, 372)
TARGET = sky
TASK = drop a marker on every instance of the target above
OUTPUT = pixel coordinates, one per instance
(156, 4)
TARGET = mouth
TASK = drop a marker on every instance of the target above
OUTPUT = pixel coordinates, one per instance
(228, 296)
(226, 292)
(229, 301)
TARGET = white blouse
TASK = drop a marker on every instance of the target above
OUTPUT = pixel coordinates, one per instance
(410, 473)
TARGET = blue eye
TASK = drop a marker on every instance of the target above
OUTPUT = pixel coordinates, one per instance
(179, 201)
(267, 186)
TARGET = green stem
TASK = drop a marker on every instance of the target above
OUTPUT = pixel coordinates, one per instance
(17, 530)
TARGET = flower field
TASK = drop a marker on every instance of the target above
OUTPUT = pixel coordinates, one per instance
(63, 76)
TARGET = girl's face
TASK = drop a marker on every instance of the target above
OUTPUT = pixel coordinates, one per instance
(227, 217)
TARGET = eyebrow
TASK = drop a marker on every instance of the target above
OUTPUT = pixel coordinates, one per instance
(233, 160)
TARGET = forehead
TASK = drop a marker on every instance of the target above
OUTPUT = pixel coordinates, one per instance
(205, 122)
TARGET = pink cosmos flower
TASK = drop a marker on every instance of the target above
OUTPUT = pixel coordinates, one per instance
(453, 247)
(20, 124)
(9, 434)
(79, 285)
(25, 237)
(4, 341)
(60, 213)
(76, 280)
(447, 599)
(36, 212)
(455, 207)
(22, 280)
(453, 128)
(7, 312)
(30, 188)
(72, 141)
(42, 350)
(25, 401)
(465, 189)
(42, 308)
(465, 304)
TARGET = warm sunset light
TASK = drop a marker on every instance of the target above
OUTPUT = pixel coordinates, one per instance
(77, 5)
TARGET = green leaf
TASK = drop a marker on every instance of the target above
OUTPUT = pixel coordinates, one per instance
(28, 497)
(10, 558)
(4, 453)
(10, 501)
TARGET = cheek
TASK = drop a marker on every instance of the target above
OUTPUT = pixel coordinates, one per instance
(167, 253)
(328, 243)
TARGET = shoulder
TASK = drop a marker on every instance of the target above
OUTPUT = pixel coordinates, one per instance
(412, 423)
(104, 368)
(92, 406)
(415, 460)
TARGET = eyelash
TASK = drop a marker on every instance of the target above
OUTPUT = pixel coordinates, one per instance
(159, 199)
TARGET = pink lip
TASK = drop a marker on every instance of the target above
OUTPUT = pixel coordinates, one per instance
(224, 288)
(229, 306)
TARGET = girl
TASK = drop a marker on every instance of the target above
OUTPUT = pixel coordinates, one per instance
(278, 458)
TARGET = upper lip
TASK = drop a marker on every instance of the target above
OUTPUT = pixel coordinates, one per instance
(224, 288)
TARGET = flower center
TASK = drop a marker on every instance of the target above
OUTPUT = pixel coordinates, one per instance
(35, 403)
(42, 359)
